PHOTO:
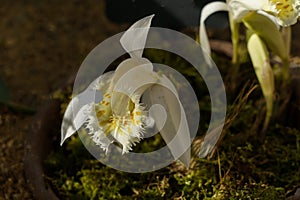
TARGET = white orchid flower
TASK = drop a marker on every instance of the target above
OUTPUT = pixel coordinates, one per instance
(120, 116)
(286, 12)
(281, 12)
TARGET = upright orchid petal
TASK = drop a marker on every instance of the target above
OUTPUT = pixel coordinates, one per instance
(209, 9)
(134, 39)
(175, 130)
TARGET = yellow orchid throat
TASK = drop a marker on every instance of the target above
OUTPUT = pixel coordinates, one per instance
(123, 123)
(115, 123)
(287, 11)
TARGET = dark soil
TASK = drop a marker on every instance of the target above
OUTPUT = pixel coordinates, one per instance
(42, 44)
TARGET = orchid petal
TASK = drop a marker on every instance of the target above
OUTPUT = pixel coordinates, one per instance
(75, 114)
(132, 85)
(71, 124)
(134, 39)
(129, 64)
(103, 82)
(175, 132)
(267, 30)
(158, 113)
(240, 8)
(210, 140)
(271, 17)
(207, 10)
(261, 63)
(136, 80)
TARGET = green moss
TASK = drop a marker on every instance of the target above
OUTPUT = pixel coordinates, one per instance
(252, 170)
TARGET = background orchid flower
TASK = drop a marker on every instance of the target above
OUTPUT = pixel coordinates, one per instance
(286, 12)
(255, 14)
(121, 116)
(263, 19)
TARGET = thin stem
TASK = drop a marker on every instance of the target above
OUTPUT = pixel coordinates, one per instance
(235, 42)
(286, 71)
(20, 108)
(286, 35)
(234, 26)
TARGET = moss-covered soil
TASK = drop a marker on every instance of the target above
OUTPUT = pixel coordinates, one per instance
(256, 169)
(247, 165)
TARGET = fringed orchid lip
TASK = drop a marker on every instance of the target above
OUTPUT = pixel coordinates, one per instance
(120, 116)
(126, 128)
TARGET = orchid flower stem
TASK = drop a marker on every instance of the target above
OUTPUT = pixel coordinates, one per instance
(286, 72)
(235, 42)
(234, 26)
(286, 35)
(267, 118)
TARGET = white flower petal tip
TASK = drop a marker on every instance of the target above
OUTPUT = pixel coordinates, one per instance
(149, 123)
(210, 140)
(134, 39)
(240, 8)
(185, 158)
(67, 127)
(208, 10)
(72, 121)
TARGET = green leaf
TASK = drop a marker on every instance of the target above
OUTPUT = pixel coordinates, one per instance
(4, 92)
(261, 63)
(5, 99)
(267, 30)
